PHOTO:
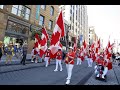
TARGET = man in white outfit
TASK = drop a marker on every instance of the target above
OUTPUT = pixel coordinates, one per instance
(58, 60)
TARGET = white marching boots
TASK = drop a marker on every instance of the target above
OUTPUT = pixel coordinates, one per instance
(68, 81)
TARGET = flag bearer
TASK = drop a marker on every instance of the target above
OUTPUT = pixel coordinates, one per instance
(58, 60)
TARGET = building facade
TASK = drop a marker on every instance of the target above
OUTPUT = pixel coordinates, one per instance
(92, 35)
(77, 17)
(18, 21)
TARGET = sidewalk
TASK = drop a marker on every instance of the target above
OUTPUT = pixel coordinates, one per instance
(15, 61)
(17, 67)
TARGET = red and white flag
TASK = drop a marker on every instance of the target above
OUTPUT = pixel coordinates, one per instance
(43, 42)
(37, 43)
(108, 54)
(58, 32)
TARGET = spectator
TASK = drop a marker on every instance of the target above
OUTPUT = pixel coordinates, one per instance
(113, 57)
(24, 53)
(32, 55)
(9, 52)
(1, 50)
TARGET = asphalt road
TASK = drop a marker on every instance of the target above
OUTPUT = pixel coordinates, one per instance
(46, 76)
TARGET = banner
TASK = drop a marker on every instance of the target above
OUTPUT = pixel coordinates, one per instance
(81, 37)
(37, 12)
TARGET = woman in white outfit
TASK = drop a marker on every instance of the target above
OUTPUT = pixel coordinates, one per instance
(69, 64)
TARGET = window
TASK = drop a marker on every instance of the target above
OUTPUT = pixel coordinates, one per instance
(71, 11)
(1, 6)
(73, 7)
(37, 11)
(72, 27)
(21, 11)
(50, 24)
(70, 18)
(63, 14)
(43, 7)
(69, 27)
(17, 28)
(41, 22)
(76, 23)
(76, 17)
(52, 11)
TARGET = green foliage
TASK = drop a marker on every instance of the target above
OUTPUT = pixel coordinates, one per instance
(34, 32)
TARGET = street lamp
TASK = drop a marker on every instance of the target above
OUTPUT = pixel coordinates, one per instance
(67, 37)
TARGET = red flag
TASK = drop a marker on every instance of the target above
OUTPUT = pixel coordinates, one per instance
(58, 32)
(84, 44)
(37, 43)
(98, 43)
(43, 42)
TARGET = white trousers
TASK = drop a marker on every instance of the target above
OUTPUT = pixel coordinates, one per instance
(105, 71)
(69, 70)
(79, 61)
(58, 62)
(90, 61)
(46, 61)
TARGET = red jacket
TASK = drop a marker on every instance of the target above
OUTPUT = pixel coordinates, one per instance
(70, 60)
(59, 55)
(47, 54)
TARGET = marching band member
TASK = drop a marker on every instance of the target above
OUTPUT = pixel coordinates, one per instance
(69, 64)
(58, 60)
(78, 58)
(47, 56)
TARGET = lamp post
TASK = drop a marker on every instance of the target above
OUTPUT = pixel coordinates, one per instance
(67, 38)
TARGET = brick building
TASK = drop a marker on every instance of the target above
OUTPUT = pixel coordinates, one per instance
(17, 22)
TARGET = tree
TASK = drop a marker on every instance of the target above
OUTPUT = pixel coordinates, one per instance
(33, 31)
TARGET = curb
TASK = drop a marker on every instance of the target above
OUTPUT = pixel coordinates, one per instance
(24, 68)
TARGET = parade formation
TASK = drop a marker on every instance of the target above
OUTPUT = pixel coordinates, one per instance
(93, 53)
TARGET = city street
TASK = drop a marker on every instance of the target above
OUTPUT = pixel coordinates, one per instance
(38, 74)
(45, 76)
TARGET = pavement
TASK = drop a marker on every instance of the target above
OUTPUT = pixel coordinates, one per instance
(40, 75)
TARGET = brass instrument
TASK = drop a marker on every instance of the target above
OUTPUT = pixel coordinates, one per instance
(66, 59)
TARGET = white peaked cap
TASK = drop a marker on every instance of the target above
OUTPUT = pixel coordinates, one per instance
(71, 47)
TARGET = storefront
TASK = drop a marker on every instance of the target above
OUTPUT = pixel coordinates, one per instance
(16, 32)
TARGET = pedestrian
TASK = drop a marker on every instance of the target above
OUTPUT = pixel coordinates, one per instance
(58, 60)
(20, 52)
(47, 57)
(32, 55)
(1, 50)
(15, 51)
(9, 53)
(117, 58)
(113, 57)
(69, 64)
(24, 53)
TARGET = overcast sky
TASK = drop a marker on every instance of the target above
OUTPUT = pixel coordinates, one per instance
(106, 19)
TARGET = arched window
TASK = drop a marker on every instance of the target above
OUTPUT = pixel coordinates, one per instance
(52, 11)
